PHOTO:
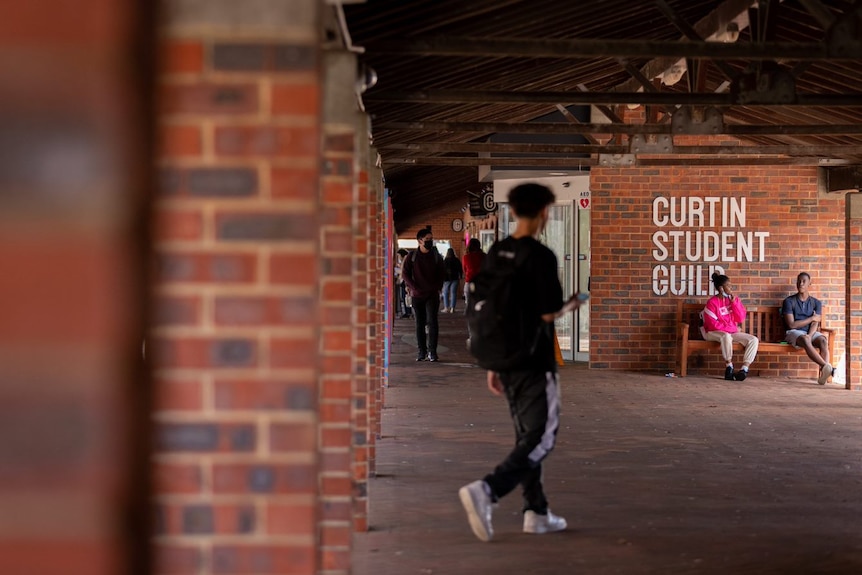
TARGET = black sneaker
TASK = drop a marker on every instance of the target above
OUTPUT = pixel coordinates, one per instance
(740, 375)
(728, 373)
(421, 356)
(432, 357)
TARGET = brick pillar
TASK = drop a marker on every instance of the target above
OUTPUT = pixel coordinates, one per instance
(853, 293)
(364, 343)
(376, 278)
(237, 341)
(341, 314)
(75, 175)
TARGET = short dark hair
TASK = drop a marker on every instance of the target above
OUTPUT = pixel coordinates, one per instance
(474, 245)
(422, 232)
(402, 252)
(528, 200)
(799, 277)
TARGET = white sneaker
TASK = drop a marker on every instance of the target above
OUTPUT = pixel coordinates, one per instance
(535, 523)
(825, 374)
(478, 505)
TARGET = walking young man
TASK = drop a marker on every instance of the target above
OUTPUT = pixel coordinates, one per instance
(531, 387)
(802, 313)
(423, 272)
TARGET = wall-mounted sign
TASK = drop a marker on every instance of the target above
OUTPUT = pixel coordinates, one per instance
(457, 225)
(488, 200)
(697, 236)
(482, 200)
(584, 200)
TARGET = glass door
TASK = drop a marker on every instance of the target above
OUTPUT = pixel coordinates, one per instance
(558, 236)
(572, 267)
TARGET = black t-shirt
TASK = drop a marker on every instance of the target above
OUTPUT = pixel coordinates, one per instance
(539, 293)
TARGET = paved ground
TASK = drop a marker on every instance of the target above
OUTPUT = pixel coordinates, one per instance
(655, 475)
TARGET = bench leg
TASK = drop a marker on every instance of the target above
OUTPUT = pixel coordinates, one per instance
(683, 359)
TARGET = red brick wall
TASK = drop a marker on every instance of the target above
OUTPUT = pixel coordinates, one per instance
(253, 292)
(631, 325)
(340, 285)
(441, 226)
(75, 165)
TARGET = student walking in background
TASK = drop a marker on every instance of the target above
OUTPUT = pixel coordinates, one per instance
(423, 272)
(404, 309)
(472, 261)
(454, 273)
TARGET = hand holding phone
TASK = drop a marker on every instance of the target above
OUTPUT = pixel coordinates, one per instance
(576, 301)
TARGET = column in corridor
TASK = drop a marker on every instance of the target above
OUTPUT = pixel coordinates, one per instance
(853, 293)
(352, 300)
(242, 456)
(74, 178)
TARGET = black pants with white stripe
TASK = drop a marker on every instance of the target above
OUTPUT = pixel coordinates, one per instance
(534, 402)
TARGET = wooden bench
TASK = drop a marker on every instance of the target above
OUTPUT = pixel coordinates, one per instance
(764, 322)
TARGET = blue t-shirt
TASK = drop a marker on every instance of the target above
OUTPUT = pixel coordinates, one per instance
(801, 309)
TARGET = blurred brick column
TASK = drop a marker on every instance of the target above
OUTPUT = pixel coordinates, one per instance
(74, 180)
(853, 293)
(238, 347)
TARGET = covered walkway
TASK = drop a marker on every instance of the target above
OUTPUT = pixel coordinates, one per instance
(654, 475)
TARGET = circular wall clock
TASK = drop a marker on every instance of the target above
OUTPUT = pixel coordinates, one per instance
(457, 225)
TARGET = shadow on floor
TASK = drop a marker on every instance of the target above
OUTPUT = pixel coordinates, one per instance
(655, 475)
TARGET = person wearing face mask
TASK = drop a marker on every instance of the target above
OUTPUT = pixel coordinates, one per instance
(424, 272)
(721, 318)
(530, 384)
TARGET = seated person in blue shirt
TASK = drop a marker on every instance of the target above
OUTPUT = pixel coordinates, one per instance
(802, 313)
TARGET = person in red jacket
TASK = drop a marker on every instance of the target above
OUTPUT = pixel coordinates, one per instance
(472, 261)
(721, 318)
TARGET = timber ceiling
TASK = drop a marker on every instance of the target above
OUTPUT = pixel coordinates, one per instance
(543, 84)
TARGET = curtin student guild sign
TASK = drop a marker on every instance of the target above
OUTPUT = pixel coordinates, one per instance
(695, 236)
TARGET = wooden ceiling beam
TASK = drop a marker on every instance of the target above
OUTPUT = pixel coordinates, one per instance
(541, 148)
(573, 163)
(615, 128)
(561, 49)
(715, 22)
(603, 98)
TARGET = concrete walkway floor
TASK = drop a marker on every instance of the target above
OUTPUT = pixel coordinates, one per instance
(654, 474)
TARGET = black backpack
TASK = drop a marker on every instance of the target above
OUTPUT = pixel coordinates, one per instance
(495, 311)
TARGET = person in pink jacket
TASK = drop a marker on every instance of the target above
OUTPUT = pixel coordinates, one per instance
(721, 318)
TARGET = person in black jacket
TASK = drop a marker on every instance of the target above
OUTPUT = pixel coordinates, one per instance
(531, 387)
(423, 272)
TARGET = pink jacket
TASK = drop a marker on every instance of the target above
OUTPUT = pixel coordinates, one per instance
(721, 314)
